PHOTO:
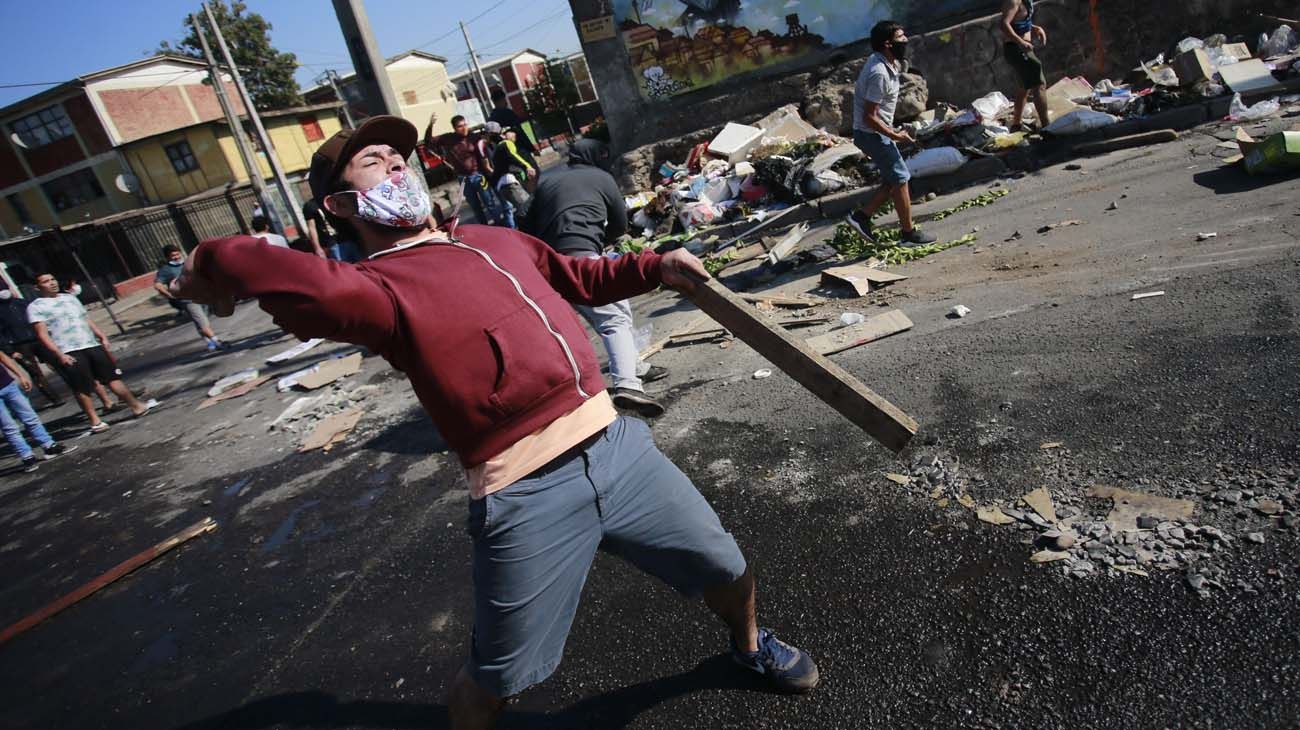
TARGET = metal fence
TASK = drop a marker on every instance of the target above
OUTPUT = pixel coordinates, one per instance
(126, 245)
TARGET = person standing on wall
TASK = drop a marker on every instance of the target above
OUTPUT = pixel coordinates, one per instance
(874, 98)
(1019, 29)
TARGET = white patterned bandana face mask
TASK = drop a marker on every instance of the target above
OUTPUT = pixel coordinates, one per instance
(400, 201)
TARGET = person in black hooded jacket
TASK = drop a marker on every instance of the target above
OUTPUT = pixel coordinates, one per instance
(576, 210)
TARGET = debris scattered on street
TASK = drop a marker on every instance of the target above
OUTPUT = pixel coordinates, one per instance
(1147, 295)
(331, 431)
(1129, 505)
(902, 479)
(1052, 445)
(763, 373)
(1048, 556)
(236, 392)
(295, 351)
(860, 278)
(993, 516)
(871, 329)
(959, 312)
(322, 373)
(1040, 501)
(1206, 236)
(232, 381)
(1063, 224)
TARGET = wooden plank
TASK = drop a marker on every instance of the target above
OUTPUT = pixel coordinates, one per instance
(201, 527)
(777, 300)
(823, 378)
(875, 328)
(656, 347)
(860, 278)
(787, 244)
(1123, 143)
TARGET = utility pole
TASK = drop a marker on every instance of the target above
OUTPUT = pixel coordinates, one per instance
(369, 64)
(290, 200)
(332, 76)
(236, 129)
(478, 74)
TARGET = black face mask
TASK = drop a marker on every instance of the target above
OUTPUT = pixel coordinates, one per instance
(900, 49)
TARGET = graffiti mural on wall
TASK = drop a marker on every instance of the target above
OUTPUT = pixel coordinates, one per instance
(677, 46)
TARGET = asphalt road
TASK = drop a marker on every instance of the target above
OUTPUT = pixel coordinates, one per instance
(336, 592)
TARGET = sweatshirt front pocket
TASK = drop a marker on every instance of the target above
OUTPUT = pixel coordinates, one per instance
(530, 361)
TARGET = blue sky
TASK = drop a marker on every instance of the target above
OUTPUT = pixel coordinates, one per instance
(57, 41)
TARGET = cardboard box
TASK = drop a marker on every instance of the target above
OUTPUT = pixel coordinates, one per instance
(1247, 76)
(1278, 153)
(1193, 66)
(1238, 51)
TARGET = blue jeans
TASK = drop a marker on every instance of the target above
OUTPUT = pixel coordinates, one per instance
(13, 402)
(884, 152)
(481, 198)
(534, 542)
(345, 251)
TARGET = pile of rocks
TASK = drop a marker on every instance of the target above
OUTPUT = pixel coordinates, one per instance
(303, 414)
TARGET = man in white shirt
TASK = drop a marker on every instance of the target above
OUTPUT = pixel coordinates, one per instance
(79, 349)
(262, 230)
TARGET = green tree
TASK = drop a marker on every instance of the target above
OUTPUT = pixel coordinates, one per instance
(553, 96)
(267, 72)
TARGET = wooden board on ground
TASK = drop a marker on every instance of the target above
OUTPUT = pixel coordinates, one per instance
(777, 300)
(860, 278)
(201, 527)
(1249, 75)
(656, 347)
(235, 392)
(331, 370)
(847, 338)
(332, 430)
(833, 384)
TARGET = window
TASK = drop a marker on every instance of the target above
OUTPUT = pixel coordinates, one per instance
(43, 127)
(410, 97)
(20, 210)
(69, 191)
(311, 128)
(182, 157)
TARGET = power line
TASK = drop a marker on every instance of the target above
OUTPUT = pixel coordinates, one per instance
(507, 39)
(468, 22)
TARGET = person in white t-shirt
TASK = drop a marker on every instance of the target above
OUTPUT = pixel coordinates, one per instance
(262, 230)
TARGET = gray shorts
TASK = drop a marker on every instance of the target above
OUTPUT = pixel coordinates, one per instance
(534, 542)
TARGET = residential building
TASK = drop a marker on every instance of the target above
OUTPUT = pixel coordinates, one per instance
(419, 82)
(135, 135)
(513, 74)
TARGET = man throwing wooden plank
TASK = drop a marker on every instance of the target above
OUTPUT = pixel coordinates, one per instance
(479, 320)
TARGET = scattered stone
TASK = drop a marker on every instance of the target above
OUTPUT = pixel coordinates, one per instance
(1132, 570)
(1040, 501)
(993, 515)
(1048, 556)
(1147, 522)
(1113, 206)
(1255, 537)
(1229, 496)
(899, 479)
(1073, 166)
(1051, 445)
(1268, 507)
(1196, 581)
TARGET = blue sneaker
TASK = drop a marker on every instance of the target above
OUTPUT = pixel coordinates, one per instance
(788, 669)
(212, 346)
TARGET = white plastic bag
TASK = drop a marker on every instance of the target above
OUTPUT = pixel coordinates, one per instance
(1239, 112)
(1078, 122)
(991, 105)
(1190, 44)
(935, 161)
(1280, 42)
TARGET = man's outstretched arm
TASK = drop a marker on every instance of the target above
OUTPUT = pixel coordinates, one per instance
(305, 294)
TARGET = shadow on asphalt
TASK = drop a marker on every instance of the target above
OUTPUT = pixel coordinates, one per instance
(612, 709)
(1231, 179)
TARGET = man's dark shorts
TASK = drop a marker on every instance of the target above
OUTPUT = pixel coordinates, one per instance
(1026, 65)
(92, 365)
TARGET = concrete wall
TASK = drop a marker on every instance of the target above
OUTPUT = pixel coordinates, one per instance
(423, 89)
(1094, 38)
(159, 181)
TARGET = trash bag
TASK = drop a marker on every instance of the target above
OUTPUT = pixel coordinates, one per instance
(990, 106)
(1078, 122)
(1190, 44)
(1219, 58)
(815, 185)
(697, 214)
(935, 161)
(1239, 112)
(1281, 42)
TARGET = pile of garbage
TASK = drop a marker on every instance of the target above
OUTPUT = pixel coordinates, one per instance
(746, 172)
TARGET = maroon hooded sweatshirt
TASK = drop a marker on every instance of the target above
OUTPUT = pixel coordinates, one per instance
(480, 323)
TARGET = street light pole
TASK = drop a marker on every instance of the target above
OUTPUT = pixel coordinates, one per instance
(282, 182)
(484, 94)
